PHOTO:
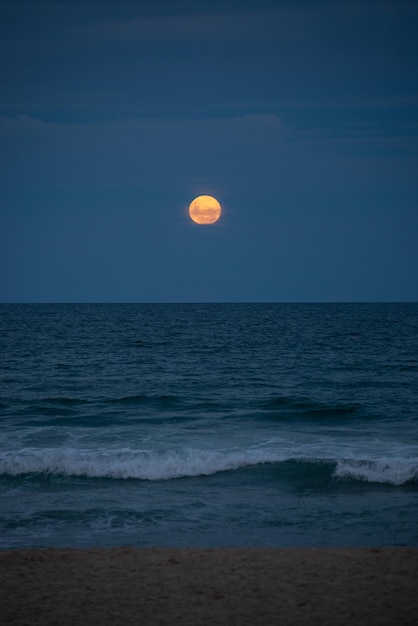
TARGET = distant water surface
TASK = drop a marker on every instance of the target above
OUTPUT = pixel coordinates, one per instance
(208, 424)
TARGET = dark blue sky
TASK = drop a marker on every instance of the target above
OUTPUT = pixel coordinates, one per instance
(300, 117)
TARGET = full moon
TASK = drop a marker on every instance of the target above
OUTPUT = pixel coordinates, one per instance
(205, 210)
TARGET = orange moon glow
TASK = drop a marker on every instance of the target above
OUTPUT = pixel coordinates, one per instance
(205, 210)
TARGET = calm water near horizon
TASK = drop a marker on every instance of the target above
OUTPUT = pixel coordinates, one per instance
(208, 424)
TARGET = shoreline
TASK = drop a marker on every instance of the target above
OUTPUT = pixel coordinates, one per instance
(125, 585)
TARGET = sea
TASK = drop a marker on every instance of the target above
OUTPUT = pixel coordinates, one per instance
(208, 425)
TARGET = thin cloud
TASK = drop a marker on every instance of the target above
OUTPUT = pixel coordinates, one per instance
(288, 21)
(207, 27)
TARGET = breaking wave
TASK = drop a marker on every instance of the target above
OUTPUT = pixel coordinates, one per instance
(125, 463)
(391, 471)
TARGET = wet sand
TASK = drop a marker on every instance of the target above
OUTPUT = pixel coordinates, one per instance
(237, 586)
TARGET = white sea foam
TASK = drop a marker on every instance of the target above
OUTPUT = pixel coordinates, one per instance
(391, 471)
(165, 465)
(126, 463)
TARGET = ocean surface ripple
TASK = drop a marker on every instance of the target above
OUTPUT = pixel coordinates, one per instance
(208, 424)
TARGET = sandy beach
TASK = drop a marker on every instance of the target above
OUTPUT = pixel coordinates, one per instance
(209, 586)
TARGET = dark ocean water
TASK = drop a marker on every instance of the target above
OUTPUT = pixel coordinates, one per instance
(208, 425)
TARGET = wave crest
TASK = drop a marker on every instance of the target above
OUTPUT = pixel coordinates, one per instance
(125, 463)
(391, 471)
